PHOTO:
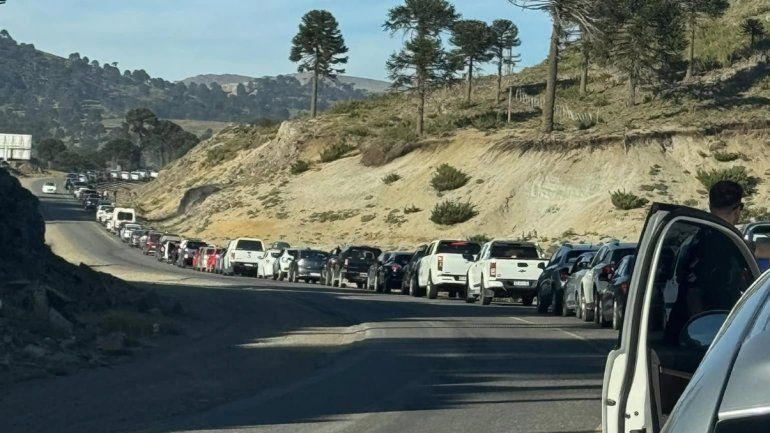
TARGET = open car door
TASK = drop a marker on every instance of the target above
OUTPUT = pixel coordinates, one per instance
(689, 263)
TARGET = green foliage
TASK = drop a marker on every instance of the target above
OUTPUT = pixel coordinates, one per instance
(449, 213)
(736, 173)
(247, 139)
(393, 142)
(474, 40)
(393, 218)
(447, 178)
(506, 37)
(479, 239)
(727, 156)
(331, 216)
(585, 123)
(391, 178)
(367, 218)
(49, 148)
(753, 29)
(754, 213)
(625, 200)
(411, 209)
(299, 166)
(333, 152)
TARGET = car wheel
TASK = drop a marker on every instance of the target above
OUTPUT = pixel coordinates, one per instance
(470, 299)
(432, 290)
(558, 304)
(597, 310)
(542, 302)
(414, 288)
(527, 300)
(578, 307)
(588, 315)
(386, 286)
(485, 300)
(616, 321)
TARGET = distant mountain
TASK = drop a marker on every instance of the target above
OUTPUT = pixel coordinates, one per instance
(71, 98)
(229, 81)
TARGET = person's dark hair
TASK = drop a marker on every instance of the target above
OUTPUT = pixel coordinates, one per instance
(725, 194)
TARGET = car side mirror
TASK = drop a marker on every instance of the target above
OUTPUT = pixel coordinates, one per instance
(541, 265)
(700, 331)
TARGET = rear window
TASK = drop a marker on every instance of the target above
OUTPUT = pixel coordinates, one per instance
(572, 255)
(246, 245)
(125, 216)
(513, 251)
(275, 254)
(618, 255)
(402, 259)
(458, 247)
(314, 255)
(195, 245)
(362, 253)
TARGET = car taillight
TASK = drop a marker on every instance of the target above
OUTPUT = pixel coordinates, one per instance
(440, 263)
(395, 267)
(493, 269)
(608, 270)
(564, 275)
(345, 265)
(624, 288)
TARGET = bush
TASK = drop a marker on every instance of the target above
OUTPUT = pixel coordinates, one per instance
(367, 218)
(584, 124)
(626, 200)
(300, 166)
(394, 141)
(335, 151)
(479, 239)
(450, 213)
(412, 209)
(392, 177)
(357, 131)
(737, 174)
(448, 178)
(727, 156)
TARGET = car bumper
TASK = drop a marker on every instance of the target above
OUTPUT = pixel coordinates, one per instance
(356, 277)
(509, 288)
(449, 280)
(309, 272)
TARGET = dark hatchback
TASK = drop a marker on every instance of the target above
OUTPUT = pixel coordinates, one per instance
(351, 264)
(307, 266)
(91, 202)
(409, 283)
(387, 272)
(612, 302)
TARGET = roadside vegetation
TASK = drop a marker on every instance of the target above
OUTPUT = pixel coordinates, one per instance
(447, 178)
(449, 212)
(626, 201)
(736, 173)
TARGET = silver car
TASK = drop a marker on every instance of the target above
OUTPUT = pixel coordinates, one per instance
(572, 286)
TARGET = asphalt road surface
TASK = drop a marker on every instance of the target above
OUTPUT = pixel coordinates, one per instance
(277, 357)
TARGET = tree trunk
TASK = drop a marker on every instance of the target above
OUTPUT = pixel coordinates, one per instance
(314, 97)
(470, 82)
(631, 90)
(584, 72)
(691, 53)
(550, 89)
(499, 79)
(420, 103)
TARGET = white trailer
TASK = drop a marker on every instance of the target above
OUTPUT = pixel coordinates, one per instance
(16, 147)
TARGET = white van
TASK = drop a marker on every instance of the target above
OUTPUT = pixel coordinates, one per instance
(243, 255)
(122, 215)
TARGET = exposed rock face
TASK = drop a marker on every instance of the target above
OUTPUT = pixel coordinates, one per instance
(56, 317)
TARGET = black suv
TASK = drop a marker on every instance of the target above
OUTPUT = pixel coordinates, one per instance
(550, 285)
(350, 264)
(388, 271)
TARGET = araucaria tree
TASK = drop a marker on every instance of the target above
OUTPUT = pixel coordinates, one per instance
(422, 62)
(564, 14)
(474, 40)
(695, 10)
(506, 37)
(754, 29)
(319, 48)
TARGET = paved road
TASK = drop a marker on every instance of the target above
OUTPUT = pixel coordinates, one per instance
(278, 357)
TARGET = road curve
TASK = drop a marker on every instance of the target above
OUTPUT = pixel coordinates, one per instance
(279, 357)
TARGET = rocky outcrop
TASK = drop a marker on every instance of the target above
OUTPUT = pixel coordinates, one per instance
(56, 317)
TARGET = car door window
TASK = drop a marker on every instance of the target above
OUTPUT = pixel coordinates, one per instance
(700, 269)
(557, 257)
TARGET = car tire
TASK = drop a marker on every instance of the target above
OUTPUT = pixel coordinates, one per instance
(578, 307)
(431, 289)
(485, 300)
(597, 310)
(588, 315)
(616, 320)
(527, 301)
(469, 299)
(558, 305)
(414, 287)
(542, 304)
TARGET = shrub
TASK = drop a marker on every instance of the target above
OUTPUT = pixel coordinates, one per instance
(447, 178)
(737, 174)
(752, 213)
(584, 124)
(333, 152)
(367, 218)
(450, 213)
(346, 107)
(479, 239)
(357, 131)
(691, 202)
(727, 156)
(626, 200)
(300, 166)
(412, 209)
(392, 177)
(393, 142)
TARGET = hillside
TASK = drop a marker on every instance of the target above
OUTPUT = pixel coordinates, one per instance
(232, 80)
(73, 98)
(523, 183)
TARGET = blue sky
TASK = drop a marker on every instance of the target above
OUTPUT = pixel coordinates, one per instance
(174, 39)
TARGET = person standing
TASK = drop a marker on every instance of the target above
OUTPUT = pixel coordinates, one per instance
(726, 201)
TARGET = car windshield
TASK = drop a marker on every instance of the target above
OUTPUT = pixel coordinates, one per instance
(314, 255)
(248, 245)
(513, 251)
(458, 247)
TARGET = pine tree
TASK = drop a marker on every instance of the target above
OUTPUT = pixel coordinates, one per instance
(506, 38)
(754, 29)
(696, 10)
(474, 40)
(318, 47)
(422, 63)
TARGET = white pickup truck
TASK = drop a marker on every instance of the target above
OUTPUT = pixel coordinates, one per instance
(505, 269)
(242, 257)
(445, 267)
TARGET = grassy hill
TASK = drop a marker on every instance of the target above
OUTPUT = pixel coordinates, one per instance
(359, 173)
